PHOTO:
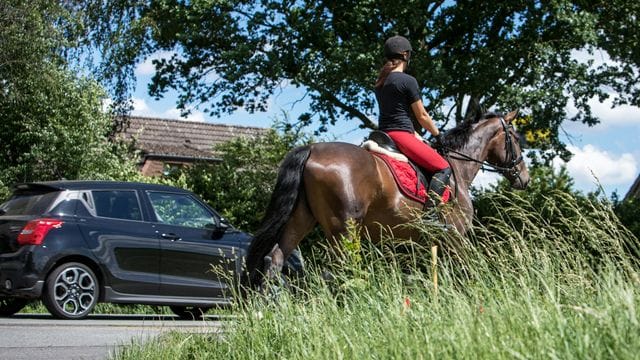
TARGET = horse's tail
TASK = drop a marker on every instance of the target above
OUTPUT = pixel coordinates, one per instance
(283, 200)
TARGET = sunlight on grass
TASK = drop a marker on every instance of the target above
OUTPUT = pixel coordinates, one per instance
(550, 282)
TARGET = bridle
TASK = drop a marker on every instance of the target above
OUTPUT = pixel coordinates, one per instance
(510, 167)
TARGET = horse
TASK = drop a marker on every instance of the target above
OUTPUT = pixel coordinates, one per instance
(332, 183)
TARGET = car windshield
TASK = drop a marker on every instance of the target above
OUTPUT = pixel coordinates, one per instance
(28, 204)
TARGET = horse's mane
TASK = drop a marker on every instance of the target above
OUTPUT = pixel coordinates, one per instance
(458, 136)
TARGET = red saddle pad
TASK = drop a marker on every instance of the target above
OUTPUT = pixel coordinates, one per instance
(407, 179)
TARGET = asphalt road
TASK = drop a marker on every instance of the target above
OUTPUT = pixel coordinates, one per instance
(36, 337)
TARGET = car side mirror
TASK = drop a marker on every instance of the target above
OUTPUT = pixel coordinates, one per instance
(222, 226)
(217, 230)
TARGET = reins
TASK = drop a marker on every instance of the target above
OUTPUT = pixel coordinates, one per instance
(509, 167)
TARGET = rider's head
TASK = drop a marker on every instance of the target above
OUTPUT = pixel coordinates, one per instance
(397, 52)
(397, 47)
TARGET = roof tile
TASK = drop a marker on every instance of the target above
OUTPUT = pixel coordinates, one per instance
(167, 137)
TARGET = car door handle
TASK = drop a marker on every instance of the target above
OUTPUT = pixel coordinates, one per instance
(171, 236)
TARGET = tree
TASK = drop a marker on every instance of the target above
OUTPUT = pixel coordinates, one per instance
(628, 211)
(240, 185)
(545, 181)
(53, 125)
(469, 55)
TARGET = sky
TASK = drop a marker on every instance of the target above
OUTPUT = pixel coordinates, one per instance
(606, 155)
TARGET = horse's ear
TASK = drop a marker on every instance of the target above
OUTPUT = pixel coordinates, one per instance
(474, 110)
(510, 116)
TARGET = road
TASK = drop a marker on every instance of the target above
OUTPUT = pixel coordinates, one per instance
(36, 337)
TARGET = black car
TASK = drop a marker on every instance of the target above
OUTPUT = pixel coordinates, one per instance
(75, 243)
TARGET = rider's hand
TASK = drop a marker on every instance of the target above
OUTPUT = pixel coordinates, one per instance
(436, 141)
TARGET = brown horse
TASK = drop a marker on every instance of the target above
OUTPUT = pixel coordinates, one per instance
(330, 183)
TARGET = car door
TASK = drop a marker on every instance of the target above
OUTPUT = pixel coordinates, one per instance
(197, 259)
(127, 247)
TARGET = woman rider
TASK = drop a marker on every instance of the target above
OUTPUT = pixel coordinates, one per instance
(399, 99)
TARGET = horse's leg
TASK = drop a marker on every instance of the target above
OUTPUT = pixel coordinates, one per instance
(336, 204)
(299, 225)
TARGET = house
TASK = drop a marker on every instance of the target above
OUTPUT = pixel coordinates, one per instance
(634, 190)
(165, 144)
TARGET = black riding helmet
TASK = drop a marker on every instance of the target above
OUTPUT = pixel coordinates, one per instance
(395, 46)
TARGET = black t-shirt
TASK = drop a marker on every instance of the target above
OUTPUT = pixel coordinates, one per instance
(394, 102)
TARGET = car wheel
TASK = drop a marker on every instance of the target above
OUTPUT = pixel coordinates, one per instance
(10, 306)
(71, 291)
(189, 312)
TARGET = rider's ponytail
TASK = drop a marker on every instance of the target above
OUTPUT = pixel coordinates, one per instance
(389, 65)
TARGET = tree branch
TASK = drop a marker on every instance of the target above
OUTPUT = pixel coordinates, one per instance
(352, 111)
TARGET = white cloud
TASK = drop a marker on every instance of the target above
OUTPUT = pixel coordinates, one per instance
(147, 68)
(140, 108)
(484, 179)
(623, 115)
(106, 104)
(591, 166)
(599, 57)
(196, 116)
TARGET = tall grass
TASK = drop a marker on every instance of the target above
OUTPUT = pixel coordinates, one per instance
(37, 307)
(556, 281)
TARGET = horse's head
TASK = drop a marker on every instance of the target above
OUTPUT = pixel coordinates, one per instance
(505, 152)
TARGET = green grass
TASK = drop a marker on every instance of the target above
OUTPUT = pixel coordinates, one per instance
(38, 308)
(551, 282)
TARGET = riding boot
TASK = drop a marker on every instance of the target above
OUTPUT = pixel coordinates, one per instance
(437, 187)
(440, 182)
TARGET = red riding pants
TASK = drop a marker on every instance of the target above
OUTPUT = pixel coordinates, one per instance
(418, 151)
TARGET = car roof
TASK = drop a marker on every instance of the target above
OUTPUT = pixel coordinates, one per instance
(95, 185)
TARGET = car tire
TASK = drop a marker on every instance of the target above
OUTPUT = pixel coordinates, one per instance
(189, 312)
(10, 306)
(71, 291)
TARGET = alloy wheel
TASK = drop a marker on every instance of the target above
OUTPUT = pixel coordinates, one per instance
(72, 291)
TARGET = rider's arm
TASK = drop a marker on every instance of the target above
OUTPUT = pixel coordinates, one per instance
(423, 117)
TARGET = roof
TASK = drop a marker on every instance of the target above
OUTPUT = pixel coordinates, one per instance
(634, 190)
(94, 185)
(181, 138)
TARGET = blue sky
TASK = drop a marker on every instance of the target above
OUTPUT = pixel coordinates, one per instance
(606, 155)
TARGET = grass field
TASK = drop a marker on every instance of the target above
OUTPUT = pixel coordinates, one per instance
(557, 281)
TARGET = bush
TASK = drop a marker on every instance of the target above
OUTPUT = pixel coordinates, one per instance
(241, 184)
(628, 211)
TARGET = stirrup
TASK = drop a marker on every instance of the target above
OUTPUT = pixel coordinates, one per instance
(432, 219)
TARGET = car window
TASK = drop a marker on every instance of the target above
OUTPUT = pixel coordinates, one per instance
(117, 204)
(180, 209)
(28, 204)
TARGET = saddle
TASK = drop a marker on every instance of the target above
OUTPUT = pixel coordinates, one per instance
(381, 144)
(384, 140)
